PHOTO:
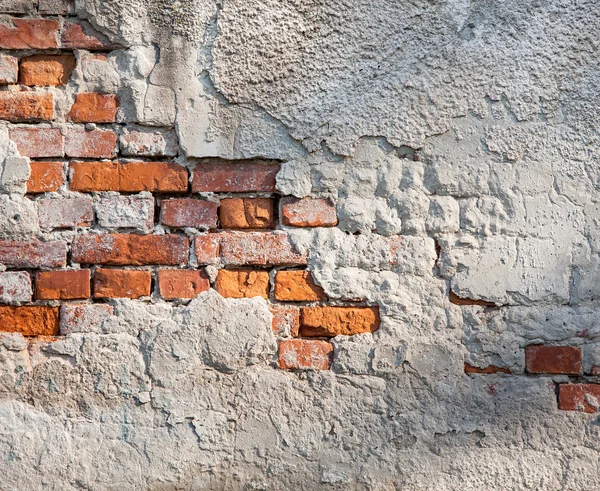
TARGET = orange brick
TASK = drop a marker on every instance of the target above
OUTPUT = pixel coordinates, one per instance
(565, 360)
(219, 177)
(286, 320)
(128, 177)
(62, 285)
(243, 284)
(95, 144)
(35, 142)
(297, 286)
(22, 107)
(334, 321)
(46, 70)
(247, 213)
(46, 177)
(130, 249)
(121, 283)
(305, 354)
(182, 283)
(183, 213)
(308, 212)
(19, 33)
(91, 107)
(30, 321)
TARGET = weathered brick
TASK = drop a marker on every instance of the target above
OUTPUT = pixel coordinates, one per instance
(247, 213)
(206, 248)
(83, 317)
(334, 321)
(95, 144)
(308, 212)
(66, 212)
(30, 320)
(80, 35)
(121, 283)
(45, 177)
(46, 70)
(33, 253)
(182, 283)
(297, 286)
(286, 320)
(56, 7)
(579, 397)
(183, 213)
(135, 212)
(148, 142)
(218, 177)
(565, 360)
(9, 69)
(91, 107)
(128, 177)
(456, 300)
(307, 354)
(15, 287)
(130, 249)
(23, 107)
(487, 370)
(17, 6)
(258, 248)
(242, 284)
(19, 33)
(38, 142)
(62, 285)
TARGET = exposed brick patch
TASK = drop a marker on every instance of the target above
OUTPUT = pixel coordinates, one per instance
(45, 177)
(38, 142)
(286, 320)
(24, 107)
(206, 248)
(30, 320)
(15, 287)
(244, 213)
(18, 33)
(95, 144)
(91, 107)
(62, 285)
(80, 35)
(130, 249)
(46, 70)
(148, 142)
(182, 283)
(33, 253)
(333, 321)
(83, 318)
(66, 212)
(219, 177)
(181, 213)
(305, 354)
(258, 248)
(579, 397)
(243, 284)
(553, 359)
(490, 369)
(308, 212)
(9, 69)
(456, 300)
(297, 286)
(121, 283)
(134, 212)
(128, 177)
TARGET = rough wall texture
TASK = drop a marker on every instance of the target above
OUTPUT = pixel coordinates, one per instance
(267, 244)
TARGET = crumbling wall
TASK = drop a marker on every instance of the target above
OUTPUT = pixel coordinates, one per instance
(299, 245)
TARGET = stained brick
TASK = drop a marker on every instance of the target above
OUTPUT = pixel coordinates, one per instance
(308, 212)
(45, 177)
(553, 359)
(258, 248)
(182, 283)
(206, 248)
(91, 107)
(17, 6)
(579, 397)
(56, 7)
(62, 285)
(15, 287)
(305, 354)
(242, 284)
(130, 249)
(234, 177)
(83, 317)
(23, 107)
(33, 253)
(30, 320)
(286, 320)
(9, 69)
(183, 213)
(80, 35)
(66, 212)
(95, 144)
(148, 142)
(334, 321)
(135, 212)
(121, 283)
(36, 142)
(19, 33)
(46, 70)
(242, 213)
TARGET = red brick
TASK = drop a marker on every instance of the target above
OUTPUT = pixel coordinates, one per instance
(245, 213)
(36, 142)
(33, 253)
(305, 354)
(334, 321)
(308, 212)
(62, 285)
(91, 107)
(182, 283)
(9, 69)
(23, 107)
(30, 321)
(286, 320)
(66, 212)
(218, 177)
(130, 249)
(206, 248)
(297, 286)
(183, 213)
(579, 397)
(128, 177)
(456, 300)
(46, 177)
(258, 248)
(242, 284)
(95, 144)
(79, 35)
(83, 317)
(121, 283)
(490, 369)
(553, 359)
(18, 33)
(46, 70)
(146, 142)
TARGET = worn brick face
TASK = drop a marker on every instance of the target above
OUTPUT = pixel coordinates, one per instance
(33, 253)
(83, 317)
(79, 35)
(286, 320)
(62, 285)
(9, 68)
(243, 284)
(19, 33)
(91, 107)
(181, 213)
(66, 212)
(24, 107)
(578, 397)
(130, 249)
(121, 283)
(258, 248)
(95, 144)
(334, 321)
(182, 283)
(234, 177)
(45, 177)
(305, 354)
(15, 287)
(297, 286)
(206, 248)
(30, 320)
(38, 142)
(553, 359)
(148, 142)
(134, 212)
(46, 70)
(308, 212)
(244, 213)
